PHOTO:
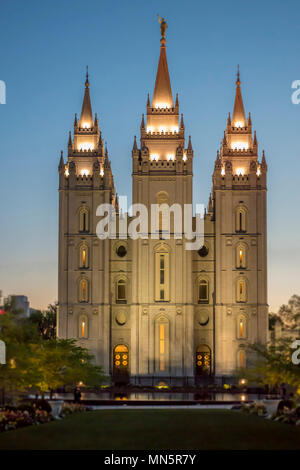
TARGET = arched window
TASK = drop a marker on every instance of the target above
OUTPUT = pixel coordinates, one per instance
(241, 290)
(241, 327)
(241, 261)
(83, 326)
(240, 219)
(121, 294)
(203, 291)
(162, 275)
(203, 360)
(83, 220)
(241, 359)
(162, 345)
(83, 290)
(83, 256)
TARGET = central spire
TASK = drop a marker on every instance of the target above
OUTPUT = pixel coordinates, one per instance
(86, 118)
(162, 97)
(238, 117)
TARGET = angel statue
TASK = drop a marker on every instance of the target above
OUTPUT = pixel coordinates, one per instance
(163, 26)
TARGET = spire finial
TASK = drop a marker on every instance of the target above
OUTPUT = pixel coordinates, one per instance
(134, 143)
(238, 82)
(162, 96)
(181, 122)
(87, 83)
(86, 117)
(238, 116)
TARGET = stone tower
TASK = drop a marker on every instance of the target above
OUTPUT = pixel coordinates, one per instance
(239, 197)
(162, 292)
(85, 181)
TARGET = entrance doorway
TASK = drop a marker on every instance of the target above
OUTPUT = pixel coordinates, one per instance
(203, 360)
(121, 363)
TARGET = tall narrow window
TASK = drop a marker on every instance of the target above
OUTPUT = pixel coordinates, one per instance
(162, 345)
(162, 198)
(240, 219)
(83, 290)
(241, 290)
(84, 220)
(241, 256)
(241, 327)
(203, 291)
(241, 358)
(121, 291)
(83, 326)
(162, 276)
(83, 256)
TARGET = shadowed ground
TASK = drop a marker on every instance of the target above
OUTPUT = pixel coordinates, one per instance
(122, 429)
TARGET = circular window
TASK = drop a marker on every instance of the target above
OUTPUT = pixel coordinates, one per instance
(203, 251)
(121, 318)
(203, 319)
(121, 251)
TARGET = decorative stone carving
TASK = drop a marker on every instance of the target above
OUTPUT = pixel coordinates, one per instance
(121, 318)
(203, 318)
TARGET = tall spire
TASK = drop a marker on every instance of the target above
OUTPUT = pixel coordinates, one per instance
(162, 97)
(238, 117)
(86, 117)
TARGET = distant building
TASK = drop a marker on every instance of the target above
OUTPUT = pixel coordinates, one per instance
(21, 303)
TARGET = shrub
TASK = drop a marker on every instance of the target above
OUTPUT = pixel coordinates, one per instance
(70, 408)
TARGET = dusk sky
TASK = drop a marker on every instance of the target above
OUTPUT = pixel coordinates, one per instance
(45, 49)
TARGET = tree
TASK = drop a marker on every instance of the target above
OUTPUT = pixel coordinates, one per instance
(45, 321)
(38, 364)
(60, 362)
(288, 315)
(272, 364)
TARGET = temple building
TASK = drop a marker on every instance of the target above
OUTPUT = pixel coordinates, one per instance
(148, 309)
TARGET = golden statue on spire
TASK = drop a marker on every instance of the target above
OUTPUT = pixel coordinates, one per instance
(163, 26)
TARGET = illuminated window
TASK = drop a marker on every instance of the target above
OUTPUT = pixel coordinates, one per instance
(241, 290)
(241, 256)
(83, 326)
(84, 220)
(121, 291)
(83, 290)
(162, 345)
(162, 276)
(241, 327)
(203, 291)
(83, 263)
(240, 221)
(241, 358)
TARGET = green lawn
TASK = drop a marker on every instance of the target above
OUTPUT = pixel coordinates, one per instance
(156, 429)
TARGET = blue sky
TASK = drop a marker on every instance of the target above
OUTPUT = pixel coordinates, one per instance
(45, 49)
